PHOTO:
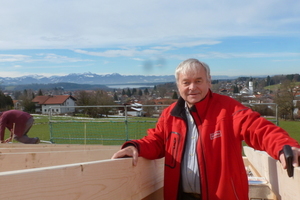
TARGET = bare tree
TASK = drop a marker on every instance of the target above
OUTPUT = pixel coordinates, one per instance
(93, 98)
(285, 96)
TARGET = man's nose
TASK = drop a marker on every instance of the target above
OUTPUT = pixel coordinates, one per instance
(192, 86)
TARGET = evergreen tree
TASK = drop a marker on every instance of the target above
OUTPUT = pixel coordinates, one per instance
(175, 96)
(6, 102)
(235, 89)
(268, 81)
(140, 93)
(146, 92)
(128, 92)
(40, 93)
(116, 97)
(133, 91)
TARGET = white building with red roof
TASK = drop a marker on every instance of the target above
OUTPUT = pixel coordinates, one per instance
(57, 104)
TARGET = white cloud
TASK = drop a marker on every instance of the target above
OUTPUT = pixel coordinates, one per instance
(110, 23)
(150, 51)
(119, 52)
(138, 59)
(48, 57)
(245, 55)
(13, 58)
(14, 74)
(51, 57)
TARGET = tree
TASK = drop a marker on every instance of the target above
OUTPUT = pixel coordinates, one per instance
(116, 97)
(26, 101)
(40, 93)
(162, 90)
(128, 93)
(140, 93)
(17, 94)
(285, 96)
(149, 110)
(235, 89)
(268, 81)
(83, 98)
(6, 102)
(134, 91)
(175, 96)
(98, 97)
(146, 91)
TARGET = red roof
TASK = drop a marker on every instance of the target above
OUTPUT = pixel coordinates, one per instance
(55, 99)
(40, 99)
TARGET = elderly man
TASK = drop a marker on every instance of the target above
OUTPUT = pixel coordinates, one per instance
(201, 137)
(18, 123)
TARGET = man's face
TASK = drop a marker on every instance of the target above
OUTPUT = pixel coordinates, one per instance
(192, 86)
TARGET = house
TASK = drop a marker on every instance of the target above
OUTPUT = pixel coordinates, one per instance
(134, 109)
(59, 104)
(18, 105)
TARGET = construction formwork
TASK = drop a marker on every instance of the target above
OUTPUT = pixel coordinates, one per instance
(57, 171)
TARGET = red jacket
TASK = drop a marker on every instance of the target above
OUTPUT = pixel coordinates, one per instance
(223, 123)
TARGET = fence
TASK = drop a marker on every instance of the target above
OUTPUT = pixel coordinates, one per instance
(268, 110)
(123, 124)
(116, 128)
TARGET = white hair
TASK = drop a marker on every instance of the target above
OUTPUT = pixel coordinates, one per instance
(191, 65)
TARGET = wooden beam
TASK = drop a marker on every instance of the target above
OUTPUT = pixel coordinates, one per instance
(109, 179)
(17, 147)
(27, 160)
(284, 187)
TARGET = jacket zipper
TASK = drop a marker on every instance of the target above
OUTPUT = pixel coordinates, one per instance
(174, 152)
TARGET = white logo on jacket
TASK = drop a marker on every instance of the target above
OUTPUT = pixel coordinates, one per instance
(215, 135)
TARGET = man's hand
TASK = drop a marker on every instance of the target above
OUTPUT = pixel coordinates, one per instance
(129, 151)
(8, 140)
(296, 160)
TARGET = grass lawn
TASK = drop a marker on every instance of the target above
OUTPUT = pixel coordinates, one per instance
(75, 127)
(292, 127)
(41, 127)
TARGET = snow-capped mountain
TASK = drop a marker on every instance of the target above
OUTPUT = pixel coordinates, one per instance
(87, 78)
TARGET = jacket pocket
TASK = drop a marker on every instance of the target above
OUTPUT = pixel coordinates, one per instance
(172, 145)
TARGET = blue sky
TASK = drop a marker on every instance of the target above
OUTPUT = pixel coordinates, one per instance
(233, 37)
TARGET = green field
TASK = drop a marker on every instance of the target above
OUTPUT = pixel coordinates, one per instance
(41, 127)
(81, 130)
(292, 127)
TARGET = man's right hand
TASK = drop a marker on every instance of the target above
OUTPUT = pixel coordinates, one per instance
(129, 151)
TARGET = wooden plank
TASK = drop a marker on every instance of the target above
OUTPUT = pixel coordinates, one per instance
(27, 160)
(11, 148)
(284, 187)
(110, 179)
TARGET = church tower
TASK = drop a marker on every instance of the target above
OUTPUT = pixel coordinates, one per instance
(251, 86)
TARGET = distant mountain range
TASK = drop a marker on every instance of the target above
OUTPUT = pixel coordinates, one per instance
(93, 79)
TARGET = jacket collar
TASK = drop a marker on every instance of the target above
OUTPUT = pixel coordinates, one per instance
(199, 107)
